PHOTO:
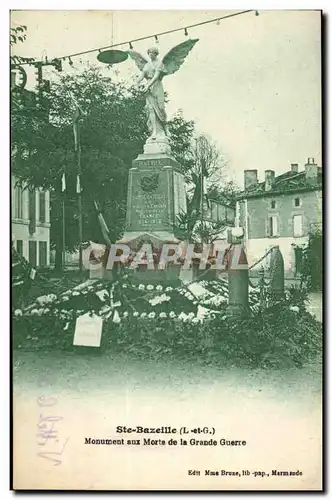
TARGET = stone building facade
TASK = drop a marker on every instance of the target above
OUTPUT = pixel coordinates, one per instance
(282, 210)
(220, 211)
(30, 222)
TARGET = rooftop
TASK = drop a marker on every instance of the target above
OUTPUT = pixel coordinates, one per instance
(309, 179)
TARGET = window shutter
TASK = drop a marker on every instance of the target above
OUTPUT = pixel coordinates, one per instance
(33, 253)
(277, 225)
(42, 206)
(32, 211)
(268, 226)
(298, 225)
(19, 247)
(42, 253)
(18, 202)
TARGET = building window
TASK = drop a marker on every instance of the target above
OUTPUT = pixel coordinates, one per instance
(33, 253)
(221, 213)
(273, 204)
(210, 211)
(42, 206)
(19, 247)
(32, 211)
(273, 228)
(230, 215)
(42, 253)
(298, 253)
(297, 226)
(297, 202)
(18, 203)
(214, 208)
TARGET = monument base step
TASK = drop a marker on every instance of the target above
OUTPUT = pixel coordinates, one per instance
(156, 238)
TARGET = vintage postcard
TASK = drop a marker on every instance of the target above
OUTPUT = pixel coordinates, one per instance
(166, 215)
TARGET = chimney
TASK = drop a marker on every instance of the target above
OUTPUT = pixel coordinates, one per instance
(269, 179)
(294, 168)
(311, 171)
(250, 179)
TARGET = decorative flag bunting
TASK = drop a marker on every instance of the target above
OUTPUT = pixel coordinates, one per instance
(63, 182)
(77, 115)
(78, 185)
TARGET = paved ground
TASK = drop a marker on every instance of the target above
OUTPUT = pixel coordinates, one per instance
(81, 372)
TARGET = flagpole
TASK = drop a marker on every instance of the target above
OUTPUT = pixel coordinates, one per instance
(63, 233)
(202, 194)
(79, 201)
(63, 188)
(76, 125)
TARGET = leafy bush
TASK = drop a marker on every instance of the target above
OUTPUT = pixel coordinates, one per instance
(312, 262)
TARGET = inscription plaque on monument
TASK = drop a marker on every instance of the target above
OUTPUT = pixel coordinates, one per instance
(151, 209)
(144, 162)
(150, 204)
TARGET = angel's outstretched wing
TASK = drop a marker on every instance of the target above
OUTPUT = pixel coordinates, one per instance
(175, 57)
(138, 58)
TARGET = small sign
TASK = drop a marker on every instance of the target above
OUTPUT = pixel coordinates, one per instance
(88, 331)
(32, 274)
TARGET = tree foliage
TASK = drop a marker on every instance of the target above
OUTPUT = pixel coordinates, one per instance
(181, 139)
(226, 191)
(312, 261)
(18, 35)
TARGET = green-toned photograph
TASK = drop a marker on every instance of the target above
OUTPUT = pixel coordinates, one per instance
(166, 253)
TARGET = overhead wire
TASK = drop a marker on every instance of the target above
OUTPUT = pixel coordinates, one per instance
(153, 35)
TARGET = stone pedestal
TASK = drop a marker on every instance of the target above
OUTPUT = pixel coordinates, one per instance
(157, 146)
(156, 195)
(238, 284)
(277, 281)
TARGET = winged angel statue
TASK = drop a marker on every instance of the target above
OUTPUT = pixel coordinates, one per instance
(153, 71)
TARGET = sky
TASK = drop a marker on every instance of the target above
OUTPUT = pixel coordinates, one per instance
(252, 83)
